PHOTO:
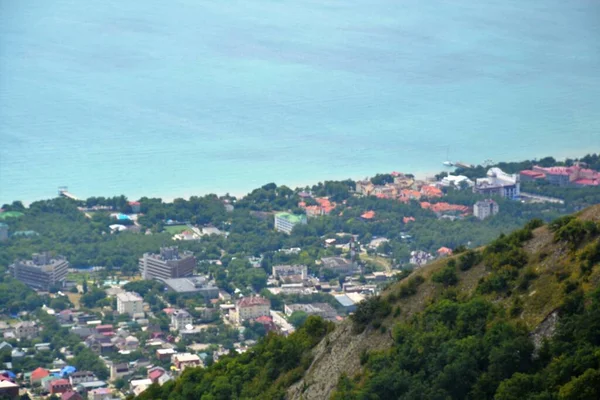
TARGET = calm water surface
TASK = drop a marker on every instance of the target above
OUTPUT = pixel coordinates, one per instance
(188, 97)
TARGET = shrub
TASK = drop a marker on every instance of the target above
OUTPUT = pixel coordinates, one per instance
(446, 276)
(370, 311)
(468, 260)
(411, 286)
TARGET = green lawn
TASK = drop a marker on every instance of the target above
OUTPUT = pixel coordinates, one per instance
(175, 229)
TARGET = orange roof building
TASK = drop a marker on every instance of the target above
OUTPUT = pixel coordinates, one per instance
(444, 207)
(38, 374)
(408, 194)
(406, 220)
(431, 191)
(368, 215)
(444, 251)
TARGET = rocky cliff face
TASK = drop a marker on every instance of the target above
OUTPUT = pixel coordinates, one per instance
(338, 354)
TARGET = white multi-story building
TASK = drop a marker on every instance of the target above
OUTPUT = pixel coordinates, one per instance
(179, 319)
(251, 308)
(285, 222)
(282, 271)
(499, 183)
(169, 263)
(129, 303)
(42, 271)
(485, 208)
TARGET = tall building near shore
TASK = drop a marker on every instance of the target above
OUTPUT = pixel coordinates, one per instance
(285, 222)
(168, 264)
(129, 303)
(42, 271)
(499, 183)
(485, 208)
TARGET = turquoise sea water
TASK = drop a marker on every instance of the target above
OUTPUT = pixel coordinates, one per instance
(190, 96)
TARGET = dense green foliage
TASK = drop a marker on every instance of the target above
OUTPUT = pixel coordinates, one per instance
(472, 350)
(463, 347)
(264, 372)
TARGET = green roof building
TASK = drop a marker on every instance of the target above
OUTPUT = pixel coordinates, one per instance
(285, 222)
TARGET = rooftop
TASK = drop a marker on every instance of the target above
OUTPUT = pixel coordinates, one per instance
(188, 284)
(128, 296)
(186, 357)
(253, 301)
(368, 215)
(291, 218)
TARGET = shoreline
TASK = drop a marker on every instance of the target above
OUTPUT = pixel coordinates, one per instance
(239, 192)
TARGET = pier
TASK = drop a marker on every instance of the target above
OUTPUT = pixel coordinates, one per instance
(64, 192)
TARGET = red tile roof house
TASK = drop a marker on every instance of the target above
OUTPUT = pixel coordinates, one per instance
(135, 206)
(37, 375)
(60, 386)
(71, 395)
(104, 329)
(528, 175)
(155, 373)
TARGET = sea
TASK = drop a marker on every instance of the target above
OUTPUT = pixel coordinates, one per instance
(188, 97)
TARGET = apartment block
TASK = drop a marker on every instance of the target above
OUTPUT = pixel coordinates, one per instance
(168, 264)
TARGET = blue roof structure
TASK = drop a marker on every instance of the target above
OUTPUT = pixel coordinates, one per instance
(68, 370)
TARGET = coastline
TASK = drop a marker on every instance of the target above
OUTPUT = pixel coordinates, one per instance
(242, 191)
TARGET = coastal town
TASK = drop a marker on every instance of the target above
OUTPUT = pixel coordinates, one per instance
(101, 333)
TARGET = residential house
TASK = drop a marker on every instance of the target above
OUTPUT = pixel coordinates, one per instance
(37, 375)
(444, 252)
(137, 386)
(420, 257)
(100, 394)
(131, 343)
(119, 370)
(9, 390)
(364, 187)
(165, 354)
(250, 308)
(485, 208)
(99, 344)
(104, 329)
(135, 206)
(26, 330)
(60, 386)
(71, 395)
(155, 373)
(81, 376)
(182, 361)
(179, 319)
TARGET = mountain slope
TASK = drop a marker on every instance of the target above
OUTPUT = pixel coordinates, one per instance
(524, 278)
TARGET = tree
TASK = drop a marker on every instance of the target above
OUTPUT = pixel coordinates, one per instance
(298, 318)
